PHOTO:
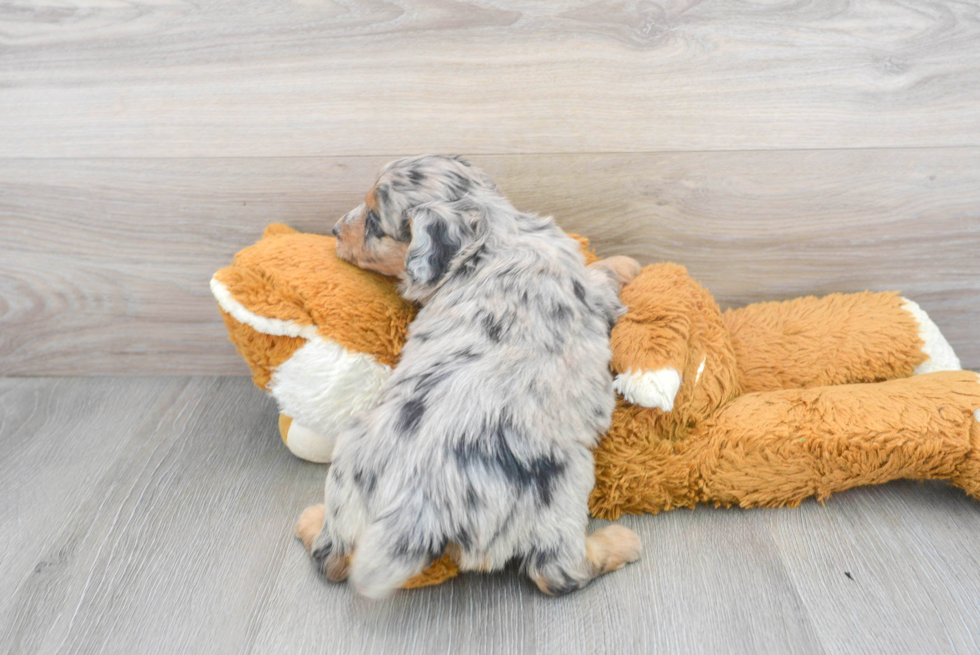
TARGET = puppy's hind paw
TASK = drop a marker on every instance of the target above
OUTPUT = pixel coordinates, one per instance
(611, 547)
(331, 560)
(309, 525)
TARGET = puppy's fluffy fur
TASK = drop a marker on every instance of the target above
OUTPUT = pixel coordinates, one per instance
(482, 441)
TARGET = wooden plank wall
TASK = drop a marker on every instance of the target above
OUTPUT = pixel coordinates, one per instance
(776, 149)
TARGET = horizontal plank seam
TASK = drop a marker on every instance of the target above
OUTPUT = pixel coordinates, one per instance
(494, 154)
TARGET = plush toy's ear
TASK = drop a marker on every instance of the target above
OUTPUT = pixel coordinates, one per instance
(440, 231)
(276, 229)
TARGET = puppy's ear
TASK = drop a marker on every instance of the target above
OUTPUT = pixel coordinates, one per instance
(439, 232)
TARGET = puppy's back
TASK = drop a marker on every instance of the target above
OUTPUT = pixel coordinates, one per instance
(483, 440)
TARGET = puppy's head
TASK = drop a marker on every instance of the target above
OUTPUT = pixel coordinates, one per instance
(421, 213)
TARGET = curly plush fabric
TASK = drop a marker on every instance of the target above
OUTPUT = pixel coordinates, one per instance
(814, 342)
(778, 448)
(760, 406)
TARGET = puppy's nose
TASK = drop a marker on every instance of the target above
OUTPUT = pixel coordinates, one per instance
(336, 230)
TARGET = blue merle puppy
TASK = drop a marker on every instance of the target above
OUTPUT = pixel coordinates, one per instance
(482, 441)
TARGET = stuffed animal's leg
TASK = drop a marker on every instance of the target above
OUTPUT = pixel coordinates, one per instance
(777, 448)
(304, 442)
(838, 339)
(651, 344)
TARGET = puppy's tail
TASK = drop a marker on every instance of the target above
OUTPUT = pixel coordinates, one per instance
(383, 562)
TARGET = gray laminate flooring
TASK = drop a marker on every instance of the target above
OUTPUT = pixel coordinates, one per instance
(153, 515)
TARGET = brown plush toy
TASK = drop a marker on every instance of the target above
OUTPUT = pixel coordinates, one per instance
(760, 406)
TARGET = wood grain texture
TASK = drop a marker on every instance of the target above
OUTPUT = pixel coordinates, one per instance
(104, 264)
(57, 439)
(168, 546)
(708, 582)
(113, 488)
(176, 79)
(884, 569)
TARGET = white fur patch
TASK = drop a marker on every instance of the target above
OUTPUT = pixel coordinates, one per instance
(274, 326)
(323, 384)
(940, 353)
(649, 388)
(309, 445)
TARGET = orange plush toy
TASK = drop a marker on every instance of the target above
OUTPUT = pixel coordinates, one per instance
(760, 406)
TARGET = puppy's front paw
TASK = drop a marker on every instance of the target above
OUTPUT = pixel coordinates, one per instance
(623, 268)
(309, 525)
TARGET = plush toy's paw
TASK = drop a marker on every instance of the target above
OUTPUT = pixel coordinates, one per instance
(304, 442)
(649, 388)
(322, 385)
(940, 354)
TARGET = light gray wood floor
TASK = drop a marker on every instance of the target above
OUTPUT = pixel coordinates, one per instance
(154, 515)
